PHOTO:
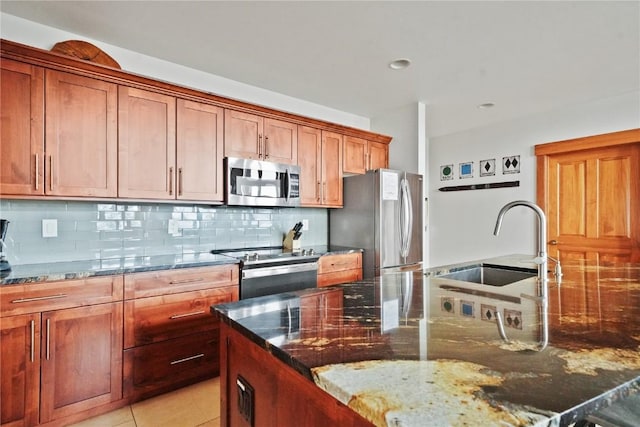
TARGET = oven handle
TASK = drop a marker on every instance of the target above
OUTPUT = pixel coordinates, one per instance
(280, 269)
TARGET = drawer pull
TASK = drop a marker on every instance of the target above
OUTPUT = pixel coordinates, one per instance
(48, 346)
(19, 300)
(179, 316)
(186, 359)
(180, 282)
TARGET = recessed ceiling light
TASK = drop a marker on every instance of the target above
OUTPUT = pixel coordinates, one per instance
(486, 105)
(399, 64)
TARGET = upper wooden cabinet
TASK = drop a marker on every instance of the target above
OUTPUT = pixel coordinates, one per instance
(81, 136)
(199, 151)
(361, 155)
(22, 130)
(321, 170)
(250, 136)
(147, 144)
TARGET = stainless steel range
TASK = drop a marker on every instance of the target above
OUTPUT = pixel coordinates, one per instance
(272, 270)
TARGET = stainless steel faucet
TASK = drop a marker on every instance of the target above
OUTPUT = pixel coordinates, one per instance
(541, 260)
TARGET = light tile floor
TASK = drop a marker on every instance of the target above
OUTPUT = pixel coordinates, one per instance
(194, 406)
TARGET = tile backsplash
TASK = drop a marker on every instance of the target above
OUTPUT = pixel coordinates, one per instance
(90, 230)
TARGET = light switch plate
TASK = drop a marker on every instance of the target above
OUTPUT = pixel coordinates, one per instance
(49, 228)
(305, 225)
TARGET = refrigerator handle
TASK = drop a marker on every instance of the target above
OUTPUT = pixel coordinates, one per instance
(409, 227)
(406, 218)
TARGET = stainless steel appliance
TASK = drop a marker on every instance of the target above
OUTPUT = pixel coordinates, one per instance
(272, 270)
(382, 214)
(4, 264)
(260, 183)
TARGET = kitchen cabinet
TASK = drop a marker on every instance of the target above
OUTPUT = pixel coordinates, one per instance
(199, 151)
(339, 268)
(170, 337)
(321, 167)
(81, 136)
(251, 136)
(361, 155)
(22, 130)
(147, 144)
(62, 347)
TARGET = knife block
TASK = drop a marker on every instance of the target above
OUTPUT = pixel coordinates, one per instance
(289, 243)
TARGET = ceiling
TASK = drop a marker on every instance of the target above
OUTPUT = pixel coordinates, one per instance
(526, 57)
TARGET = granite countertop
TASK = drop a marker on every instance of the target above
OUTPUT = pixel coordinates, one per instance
(53, 271)
(415, 349)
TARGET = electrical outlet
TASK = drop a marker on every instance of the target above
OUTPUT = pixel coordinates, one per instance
(173, 228)
(305, 225)
(49, 228)
(245, 400)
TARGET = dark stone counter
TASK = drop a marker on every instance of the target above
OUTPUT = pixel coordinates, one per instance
(414, 349)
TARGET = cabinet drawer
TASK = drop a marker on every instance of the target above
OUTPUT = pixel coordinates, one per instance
(154, 319)
(157, 368)
(46, 296)
(165, 282)
(333, 263)
(338, 277)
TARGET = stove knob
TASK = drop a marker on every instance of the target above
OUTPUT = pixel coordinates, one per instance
(255, 256)
(246, 257)
(304, 252)
(310, 251)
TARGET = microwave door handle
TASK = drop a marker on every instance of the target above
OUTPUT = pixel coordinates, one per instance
(288, 186)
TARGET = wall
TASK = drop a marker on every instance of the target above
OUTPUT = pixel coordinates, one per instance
(402, 123)
(88, 230)
(461, 223)
(44, 37)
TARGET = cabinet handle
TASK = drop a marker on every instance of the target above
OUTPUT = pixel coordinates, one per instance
(186, 359)
(553, 242)
(33, 340)
(180, 316)
(51, 173)
(179, 181)
(259, 145)
(48, 340)
(266, 147)
(171, 180)
(319, 196)
(19, 300)
(179, 282)
(37, 169)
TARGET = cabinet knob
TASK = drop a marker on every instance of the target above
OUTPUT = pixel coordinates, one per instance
(553, 242)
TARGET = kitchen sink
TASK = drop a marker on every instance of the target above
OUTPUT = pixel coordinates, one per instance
(489, 274)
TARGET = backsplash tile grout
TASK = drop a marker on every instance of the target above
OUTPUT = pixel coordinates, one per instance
(89, 230)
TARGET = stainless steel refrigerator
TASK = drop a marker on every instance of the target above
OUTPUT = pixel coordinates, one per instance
(382, 214)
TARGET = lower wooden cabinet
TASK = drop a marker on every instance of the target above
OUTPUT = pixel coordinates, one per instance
(63, 361)
(339, 268)
(170, 335)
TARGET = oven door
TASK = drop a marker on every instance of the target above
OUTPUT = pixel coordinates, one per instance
(260, 183)
(275, 279)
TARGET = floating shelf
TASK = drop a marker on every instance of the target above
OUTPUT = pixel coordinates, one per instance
(481, 186)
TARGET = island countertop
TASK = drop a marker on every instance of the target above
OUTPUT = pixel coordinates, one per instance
(413, 349)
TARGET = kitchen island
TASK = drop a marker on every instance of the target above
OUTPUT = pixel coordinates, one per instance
(414, 348)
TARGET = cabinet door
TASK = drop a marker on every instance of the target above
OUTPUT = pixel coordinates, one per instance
(378, 156)
(81, 136)
(331, 169)
(200, 150)
(22, 131)
(20, 370)
(242, 135)
(355, 155)
(280, 141)
(81, 359)
(147, 144)
(310, 144)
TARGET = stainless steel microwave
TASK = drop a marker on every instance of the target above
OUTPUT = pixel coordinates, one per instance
(261, 183)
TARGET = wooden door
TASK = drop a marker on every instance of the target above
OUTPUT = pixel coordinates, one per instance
(592, 200)
(242, 135)
(378, 156)
(331, 169)
(280, 141)
(81, 136)
(20, 370)
(81, 359)
(22, 130)
(147, 144)
(200, 151)
(310, 160)
(355, 155)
